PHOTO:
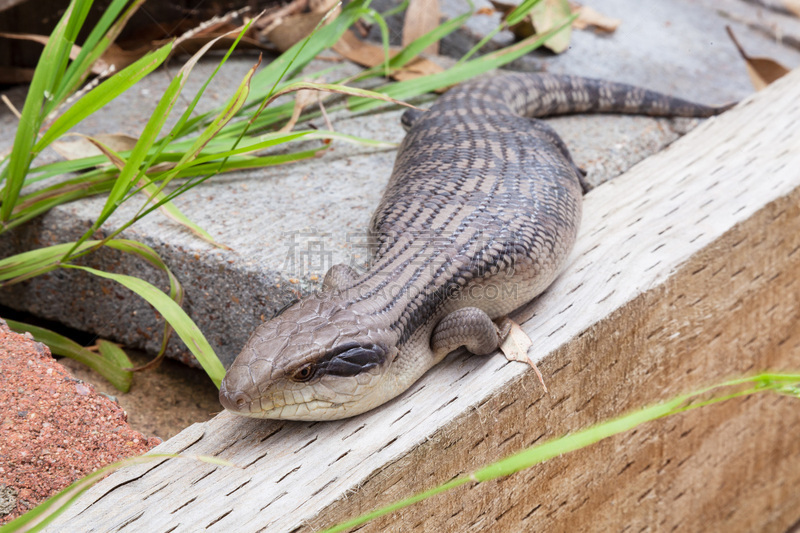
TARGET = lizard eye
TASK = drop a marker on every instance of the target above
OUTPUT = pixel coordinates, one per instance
(304, 373)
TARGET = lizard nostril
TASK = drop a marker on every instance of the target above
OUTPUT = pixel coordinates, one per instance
(233, 400)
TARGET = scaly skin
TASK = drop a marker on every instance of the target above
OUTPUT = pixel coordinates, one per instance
(480, 213)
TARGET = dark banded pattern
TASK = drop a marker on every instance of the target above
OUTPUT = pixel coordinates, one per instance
(481, 211)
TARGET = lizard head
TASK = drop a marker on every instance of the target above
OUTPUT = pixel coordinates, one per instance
(314, 361)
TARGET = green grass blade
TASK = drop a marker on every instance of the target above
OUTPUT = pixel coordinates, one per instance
(150, 255)
(74, 25)
(113, 353)
(256, 144)
(299, 55)
(775, 382)
(177, 317)
(102, 35)
(408, 89)
(176, 292)
(107, 367)
(101, 95)
(171, 211)
(59, 168)
(234, 104)
(26, 262)
(40, 206)
(233, 163)
(515, 16)
(337, 89)
(419, 44)
(186, 121)
(41, 88)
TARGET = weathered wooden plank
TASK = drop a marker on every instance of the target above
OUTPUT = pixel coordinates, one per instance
(685, 272)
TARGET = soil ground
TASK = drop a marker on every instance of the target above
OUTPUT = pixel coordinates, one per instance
(162, 401)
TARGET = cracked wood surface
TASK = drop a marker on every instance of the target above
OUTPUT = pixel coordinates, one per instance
(685, 273)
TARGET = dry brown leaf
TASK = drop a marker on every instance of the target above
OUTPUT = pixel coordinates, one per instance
(83, 147)
(99, 66)
(360, 52)
(121, 58)
(590, 17)
(416, 68)
(292, 29)
(762, 70)
(422, 16)
(516, 345)
(370, 55)
(543, 17)
(793, 6)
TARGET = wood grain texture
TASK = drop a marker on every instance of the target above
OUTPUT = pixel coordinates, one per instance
(685, 273)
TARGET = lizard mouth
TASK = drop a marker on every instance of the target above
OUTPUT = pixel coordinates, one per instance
(279, 407)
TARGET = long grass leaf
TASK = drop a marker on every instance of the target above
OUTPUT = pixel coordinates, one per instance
(228, 112)
(299, 55)
(40, 89)
(234, 163)
(337, 89)
(537, 454)
(61, 345)
(113, 353)
(408, 89)
(101, 37)
(176, 292)
(25, 262)
(101, 95)
(177, 317)
(185, 121)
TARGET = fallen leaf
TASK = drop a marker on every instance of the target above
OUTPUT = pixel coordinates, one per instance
(762, 70)
(547, 15)
(416, 68)
(294, 28)
(486, 10)
(544, 16)
(516, 345)
(422, 17)
(83, 147)
(590, 17)
(371, 55)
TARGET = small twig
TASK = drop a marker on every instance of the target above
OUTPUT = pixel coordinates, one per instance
(11, 106)
(327, 119)
(538, 373)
